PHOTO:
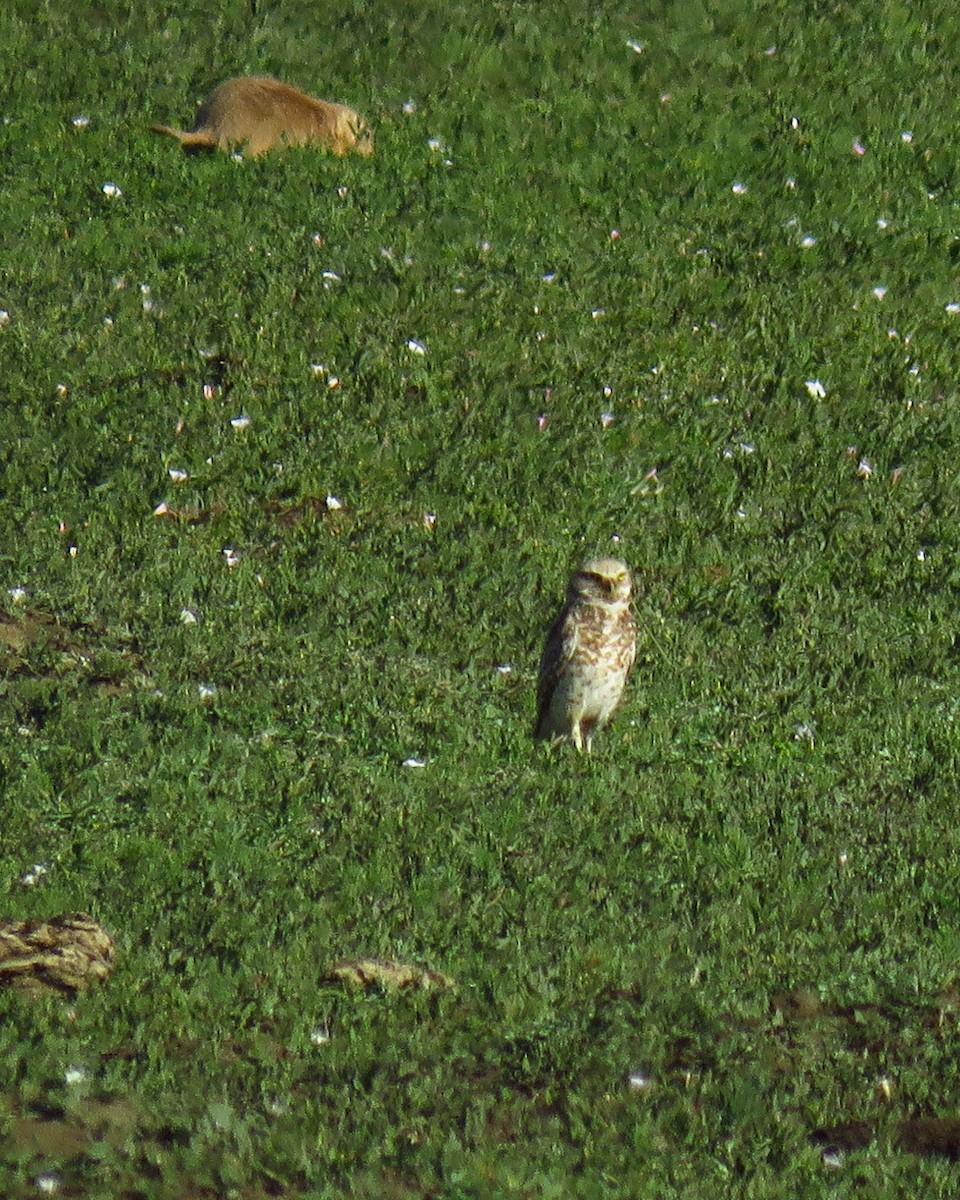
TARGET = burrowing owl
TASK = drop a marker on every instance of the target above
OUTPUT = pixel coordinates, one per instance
(589, 652)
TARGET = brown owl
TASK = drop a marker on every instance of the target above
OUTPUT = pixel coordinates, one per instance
(589, 652)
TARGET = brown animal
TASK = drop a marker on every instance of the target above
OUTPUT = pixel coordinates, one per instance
(258, 113)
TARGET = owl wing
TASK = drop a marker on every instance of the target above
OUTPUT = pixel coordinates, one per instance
(560, 648)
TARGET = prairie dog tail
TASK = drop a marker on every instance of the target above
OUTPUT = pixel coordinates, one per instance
(201, 140)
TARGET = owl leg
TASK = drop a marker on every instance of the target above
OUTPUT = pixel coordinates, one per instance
(576, 735)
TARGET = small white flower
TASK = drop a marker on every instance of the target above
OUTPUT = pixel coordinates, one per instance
(317, 239)
(607, 419)
(320, 1035)
(33, 877)
(864, 469)
(858, 148)
(230, 557)
(832, 1158)
(4, 316)
(805, 732)
(638, 1081)
(542, 422)
(808, 242)
(162, 509)
(636, 47)
(816, 389)
(607, 392)
(614, 235)
(879, 292)
(953, 308)
(739, 189)
(882, 223)
(906, 137)
(414, 762)
(331, 275)
(549, 277)
(206, 691)
(74, 551)
(74, 1075)
(17, 594)
(318, 368)
(794, 122)
(177, 475)
(188, 616)
(333, 503)
(436, 145)
(430, 520)
(842, 858)
(921, 555)
(209, 391)
(111, 191)
(416, 347)
(596, 313)
(791, 183)
(504, 668)
(81, 122)
(343, 192)
(333, 382)
(48, 1183)
(409, 107)
(240, 422)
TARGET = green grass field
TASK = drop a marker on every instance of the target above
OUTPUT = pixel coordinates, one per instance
(695, 302)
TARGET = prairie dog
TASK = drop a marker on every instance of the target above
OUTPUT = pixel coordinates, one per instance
(258, 113)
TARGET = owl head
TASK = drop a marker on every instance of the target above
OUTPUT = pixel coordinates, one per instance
(604, 579)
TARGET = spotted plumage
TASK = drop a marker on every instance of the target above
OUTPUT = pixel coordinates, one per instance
(588, 654)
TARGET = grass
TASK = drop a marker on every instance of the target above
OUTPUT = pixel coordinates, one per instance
(675, 961)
